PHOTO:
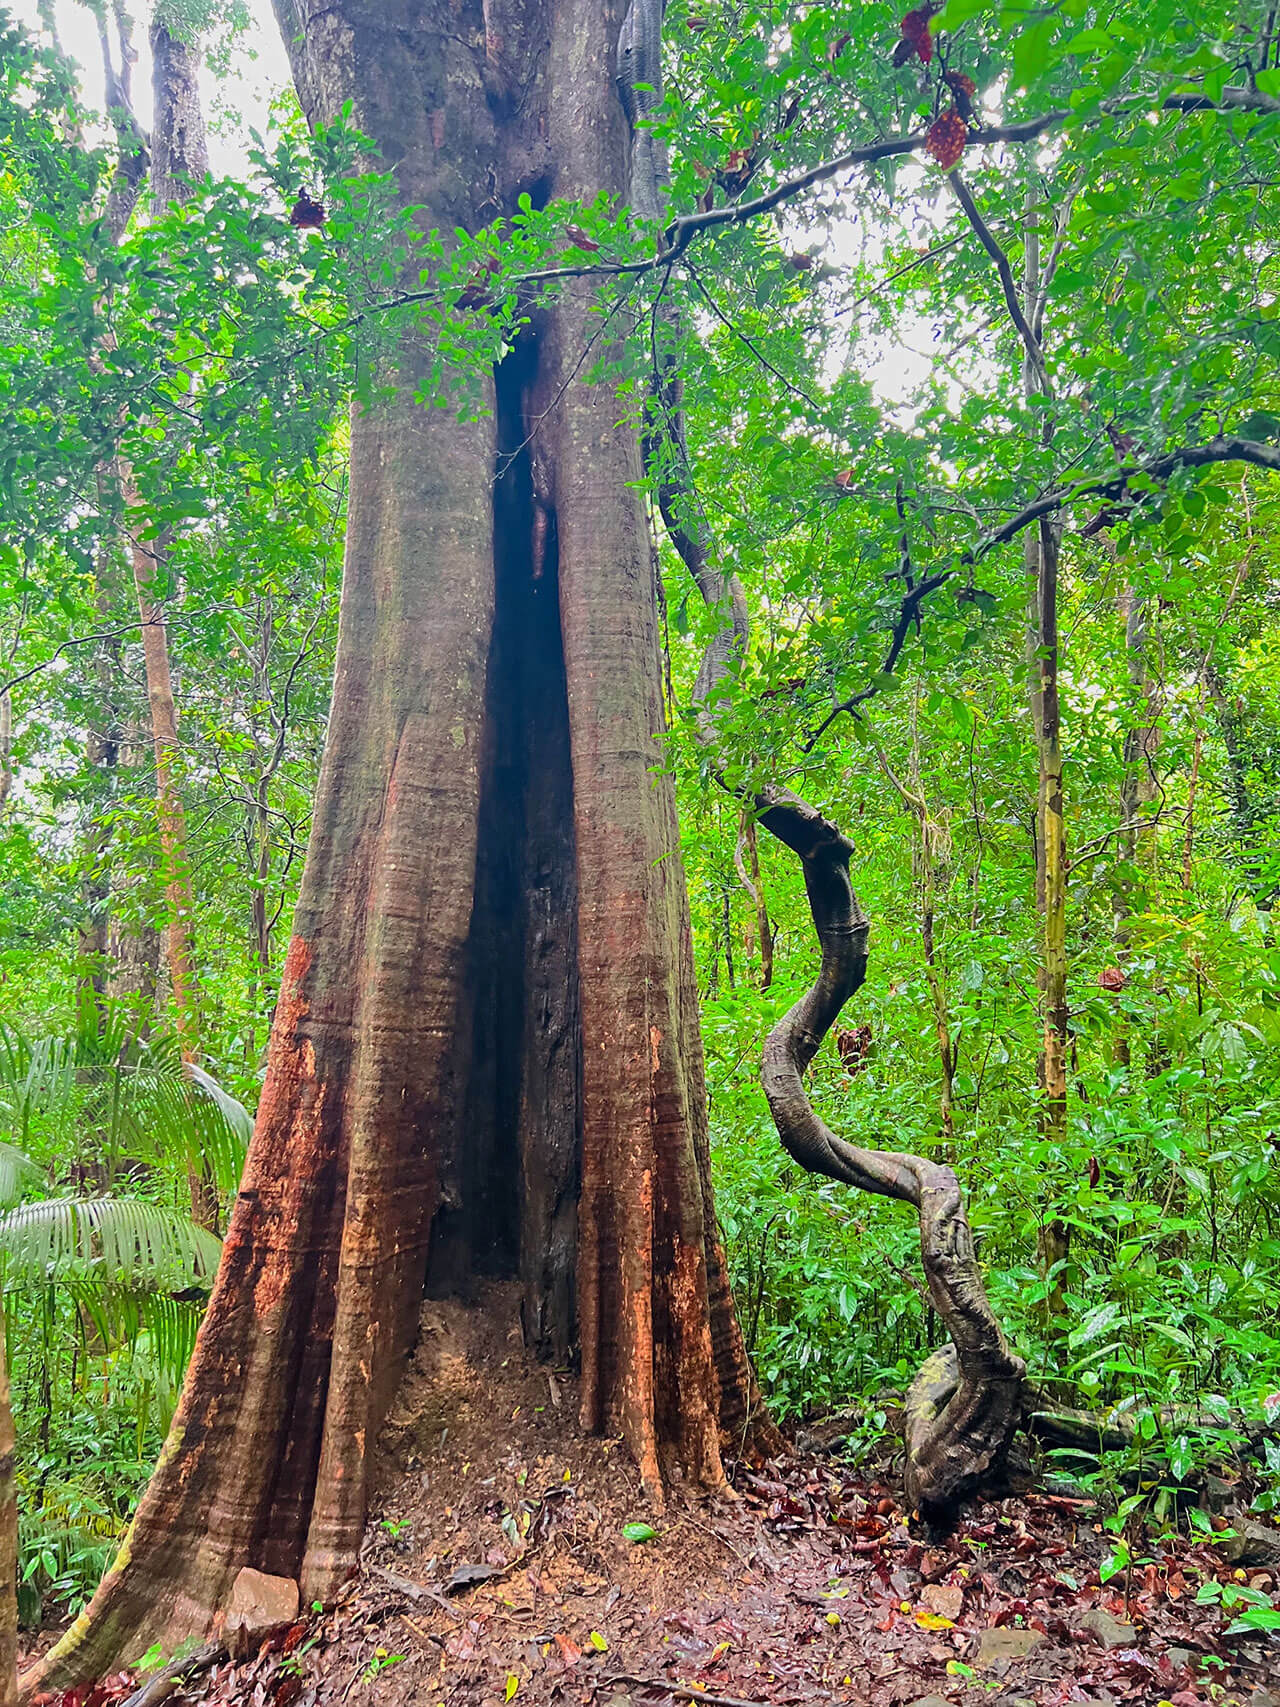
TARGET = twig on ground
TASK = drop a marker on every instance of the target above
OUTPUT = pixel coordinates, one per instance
(716, 1536)
(414, 1590)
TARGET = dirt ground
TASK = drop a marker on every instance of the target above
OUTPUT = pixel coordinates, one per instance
(510, 1558)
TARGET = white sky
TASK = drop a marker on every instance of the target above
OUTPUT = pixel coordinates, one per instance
(260, 69)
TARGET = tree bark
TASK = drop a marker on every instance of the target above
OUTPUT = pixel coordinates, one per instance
(485, 1055)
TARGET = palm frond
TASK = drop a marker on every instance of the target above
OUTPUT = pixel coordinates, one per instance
(121, 1316)
(90, 1088)
(34, 1073)
(187, 1114)
(115, 1241)
(224, 1125)
(17, 1172)
(235, 1114)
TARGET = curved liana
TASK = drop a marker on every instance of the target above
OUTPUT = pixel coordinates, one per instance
(966, 1401)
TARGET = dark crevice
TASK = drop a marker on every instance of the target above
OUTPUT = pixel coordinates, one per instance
(509, 1186)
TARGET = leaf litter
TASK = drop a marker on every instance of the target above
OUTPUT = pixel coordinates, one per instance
(511, 1557)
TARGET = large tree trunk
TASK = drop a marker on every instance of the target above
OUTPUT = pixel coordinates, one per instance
(485, 1056)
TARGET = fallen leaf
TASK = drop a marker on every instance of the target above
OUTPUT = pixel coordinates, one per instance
(931, 1621)
(469, 1576)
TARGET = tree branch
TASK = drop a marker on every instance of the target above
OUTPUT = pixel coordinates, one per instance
(1113, 485)
(68, 645)
(1035, 354)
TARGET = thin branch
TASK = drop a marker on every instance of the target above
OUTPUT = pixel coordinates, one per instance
(1222, 449)
(738, 333)
(1091, 850)
(282, 721)
(907, 612)
(84, 640)
(1062, 219)
(901, 272)
(1008, 285)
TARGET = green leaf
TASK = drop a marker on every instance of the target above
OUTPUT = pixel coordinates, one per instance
(639, 1532)
(1254, 1619)
(116, 1241)
(1031, 51)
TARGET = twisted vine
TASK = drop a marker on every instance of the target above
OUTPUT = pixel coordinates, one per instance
(966, 1401)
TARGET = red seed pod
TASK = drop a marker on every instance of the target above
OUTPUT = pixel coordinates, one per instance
(963, 89)
(915, 29)
(946, 139)
(1112, 978)
(306, 214)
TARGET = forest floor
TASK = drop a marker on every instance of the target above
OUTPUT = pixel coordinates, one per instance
(498, 1569)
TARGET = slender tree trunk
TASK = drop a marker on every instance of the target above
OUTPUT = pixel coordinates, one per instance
(941, 1017)
(932, 842)
(1187, 871)
(175, 861)
(1041, 559)
(1055, 1236)
(747, 859)
(102, 754)
(133, 938)
(102, 744)
(6, 745)
(485, 1055)
(1137, 780)
(178, 155)
(1054, 838)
